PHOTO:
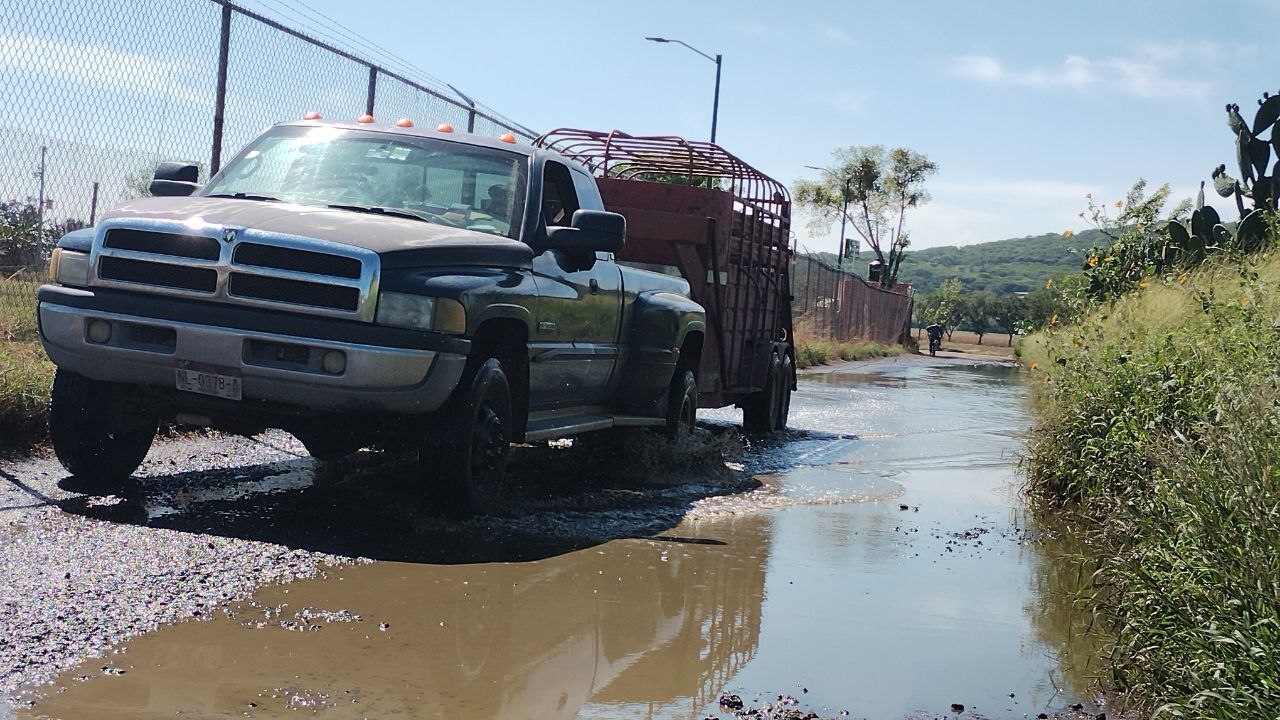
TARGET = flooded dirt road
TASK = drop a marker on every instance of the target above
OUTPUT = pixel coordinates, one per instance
(873, 561)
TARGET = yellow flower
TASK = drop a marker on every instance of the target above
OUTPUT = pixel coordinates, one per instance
(1067, 234)
(1244, 300)
(1046, 377)
(1119, 203)
(1048, 283)
(1093, 261)
(1108, 259)
(1183, 278)
(1035, 366)
(1144, 282)
(1054, 320)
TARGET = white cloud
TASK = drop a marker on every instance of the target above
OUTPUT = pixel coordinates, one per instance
(836, 35)
(1152, 71)
(93, 65)
(850, 102)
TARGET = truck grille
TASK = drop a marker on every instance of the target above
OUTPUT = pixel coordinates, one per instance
(253, 268)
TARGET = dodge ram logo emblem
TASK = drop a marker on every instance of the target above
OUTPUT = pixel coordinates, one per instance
(228, 235)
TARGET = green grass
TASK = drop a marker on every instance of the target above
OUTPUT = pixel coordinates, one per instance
(1157, 432)
(812, 351)
(25, 373)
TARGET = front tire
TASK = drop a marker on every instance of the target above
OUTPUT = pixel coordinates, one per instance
(682, 404)
(462, 459)
(97, 440)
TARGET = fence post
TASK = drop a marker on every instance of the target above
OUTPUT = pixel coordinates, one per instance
(373, 90)
(220, 99)
(93, 206)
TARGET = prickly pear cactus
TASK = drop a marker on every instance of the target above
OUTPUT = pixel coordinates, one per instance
(1254, 146)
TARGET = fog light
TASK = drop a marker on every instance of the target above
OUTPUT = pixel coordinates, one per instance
(335, 362)
(99, 331)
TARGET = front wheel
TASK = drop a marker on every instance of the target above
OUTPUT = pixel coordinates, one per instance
(682, 404)
(462, 459)
(96, 439)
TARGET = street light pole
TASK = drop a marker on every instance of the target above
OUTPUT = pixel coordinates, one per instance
(718, 60)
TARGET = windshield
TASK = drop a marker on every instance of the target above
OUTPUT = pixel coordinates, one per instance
(437, 181)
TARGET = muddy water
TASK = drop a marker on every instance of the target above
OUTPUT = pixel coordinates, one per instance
(873, 560)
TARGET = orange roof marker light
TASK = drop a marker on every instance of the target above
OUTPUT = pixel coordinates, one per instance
(404, 122)
(311, 115)
(444, 127)
(508, 137)
(365, 119)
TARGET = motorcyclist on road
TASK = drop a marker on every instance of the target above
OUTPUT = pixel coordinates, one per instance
(935, 337)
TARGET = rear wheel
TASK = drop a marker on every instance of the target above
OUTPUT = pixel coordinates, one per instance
(97, 439)
(760, 411)
(784, 392)
(462, 459)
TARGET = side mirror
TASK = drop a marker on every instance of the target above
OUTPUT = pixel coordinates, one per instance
(594, 230)
(175, 179)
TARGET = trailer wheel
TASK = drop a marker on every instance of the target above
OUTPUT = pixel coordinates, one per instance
(784, 392)
(760, 411)
(462, 459)
(682, 404)
(95, 439)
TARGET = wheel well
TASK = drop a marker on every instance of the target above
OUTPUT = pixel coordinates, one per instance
(507, 340)
(691, 353)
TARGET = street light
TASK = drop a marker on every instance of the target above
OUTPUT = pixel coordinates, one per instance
(715, 105)
(844, 212)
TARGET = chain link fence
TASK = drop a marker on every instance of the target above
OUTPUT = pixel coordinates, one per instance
(94, 95)
(839, 305)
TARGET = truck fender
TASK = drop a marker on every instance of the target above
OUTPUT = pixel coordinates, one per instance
(660, 323)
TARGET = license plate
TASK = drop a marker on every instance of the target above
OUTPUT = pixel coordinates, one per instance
(207, 380)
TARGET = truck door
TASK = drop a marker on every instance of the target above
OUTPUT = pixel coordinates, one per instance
(579, 310)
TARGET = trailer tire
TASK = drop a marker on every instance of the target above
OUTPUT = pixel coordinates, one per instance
(760, 411)
(462, 459)
(96, 440)
(784, 392)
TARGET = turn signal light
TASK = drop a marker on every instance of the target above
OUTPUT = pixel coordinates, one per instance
(311, 115)
(404, 122)
(508, 137)
(365, 119)
(444, 127)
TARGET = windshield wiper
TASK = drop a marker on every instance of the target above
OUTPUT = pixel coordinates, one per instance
(246, 196)
(377, 210)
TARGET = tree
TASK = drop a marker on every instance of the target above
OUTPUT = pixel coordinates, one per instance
(1008, 313)
(22, 241)
(977, 309)
(880, 185)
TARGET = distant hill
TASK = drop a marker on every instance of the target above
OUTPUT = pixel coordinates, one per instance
(1003, 266)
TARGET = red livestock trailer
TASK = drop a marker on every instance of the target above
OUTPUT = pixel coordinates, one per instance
(696, 210)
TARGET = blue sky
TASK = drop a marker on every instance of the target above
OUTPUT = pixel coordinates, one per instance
(1026, 106)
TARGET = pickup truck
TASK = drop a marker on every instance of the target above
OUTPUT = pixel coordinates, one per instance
(360, 283)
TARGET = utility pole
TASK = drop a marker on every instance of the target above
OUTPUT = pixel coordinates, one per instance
(40, 199)
(93, 206)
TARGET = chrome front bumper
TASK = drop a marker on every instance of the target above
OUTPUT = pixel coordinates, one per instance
(376, 379)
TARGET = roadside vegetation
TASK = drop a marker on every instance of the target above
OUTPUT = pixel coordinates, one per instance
(25, 373)
(1158, 436)
(812, 351)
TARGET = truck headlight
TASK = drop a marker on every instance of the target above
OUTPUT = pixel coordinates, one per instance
(68, 267)
(421, 312)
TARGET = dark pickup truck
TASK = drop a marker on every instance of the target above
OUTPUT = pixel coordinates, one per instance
(355, 284)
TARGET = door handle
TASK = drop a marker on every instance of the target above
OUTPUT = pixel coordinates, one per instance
(594, 285)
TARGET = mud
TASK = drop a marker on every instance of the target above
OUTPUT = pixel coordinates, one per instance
(873, 562)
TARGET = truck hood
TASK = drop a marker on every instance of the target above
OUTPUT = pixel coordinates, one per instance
(399, 241)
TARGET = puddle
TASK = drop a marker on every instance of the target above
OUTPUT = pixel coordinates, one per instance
(878, 563)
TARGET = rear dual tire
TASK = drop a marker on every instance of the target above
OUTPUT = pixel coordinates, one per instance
(768, 409)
